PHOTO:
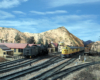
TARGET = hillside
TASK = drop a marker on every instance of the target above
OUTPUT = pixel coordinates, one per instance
(96, 47)
(10, 33)
(55, 35)
(87, 42)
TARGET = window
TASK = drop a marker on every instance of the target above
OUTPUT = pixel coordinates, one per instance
(20, 50)
(14, 50)
(7, 53)
(4, 53)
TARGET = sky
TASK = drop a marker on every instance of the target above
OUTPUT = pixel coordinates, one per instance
(79, 17)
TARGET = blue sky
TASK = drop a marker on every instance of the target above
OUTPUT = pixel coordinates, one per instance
(79, 17)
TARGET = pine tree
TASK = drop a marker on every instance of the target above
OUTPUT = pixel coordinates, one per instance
(46, 43)
(17, 38)
(31, 40)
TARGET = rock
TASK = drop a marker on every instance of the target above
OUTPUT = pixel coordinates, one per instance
(95, 47)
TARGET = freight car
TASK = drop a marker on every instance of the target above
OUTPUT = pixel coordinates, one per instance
(34, 51)
(70, 50)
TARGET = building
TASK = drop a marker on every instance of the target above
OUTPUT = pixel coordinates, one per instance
(4, 50)
(52, 47)
(60, 46)
(16, 48)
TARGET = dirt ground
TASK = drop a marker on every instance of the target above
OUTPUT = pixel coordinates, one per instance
(2, 59)
(88, 73)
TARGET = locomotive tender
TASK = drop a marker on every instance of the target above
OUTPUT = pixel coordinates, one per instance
(67, 51)
(34, 50)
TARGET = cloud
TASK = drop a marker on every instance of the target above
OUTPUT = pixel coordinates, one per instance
(72, 18)
(84, 27)
(58, 3)
(10, 3)
(19, 12)
(17, 23)
(4, 15)
(36, 12)
(78, 11)
(21, 25)
(49, 12)
(85, 30)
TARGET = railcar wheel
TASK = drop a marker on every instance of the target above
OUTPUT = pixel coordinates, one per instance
(68, 56)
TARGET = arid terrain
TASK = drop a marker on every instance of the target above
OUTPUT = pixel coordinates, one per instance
(86, 73)
(60, 34)
(91, 72)
(55, 35)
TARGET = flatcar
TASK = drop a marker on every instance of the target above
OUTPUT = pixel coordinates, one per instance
(67, 51)
(35, 50)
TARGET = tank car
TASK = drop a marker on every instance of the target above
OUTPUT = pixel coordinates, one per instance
(34, 51)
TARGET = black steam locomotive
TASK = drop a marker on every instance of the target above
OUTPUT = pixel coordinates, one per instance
(35, 50)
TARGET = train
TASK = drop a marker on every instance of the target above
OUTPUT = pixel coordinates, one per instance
(68, 51)
(35, 50)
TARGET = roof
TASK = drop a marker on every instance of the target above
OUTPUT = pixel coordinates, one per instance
(55, 44)
(15, 45)
(8, 50)
(72, 47)
(5, 48)
(34, 44)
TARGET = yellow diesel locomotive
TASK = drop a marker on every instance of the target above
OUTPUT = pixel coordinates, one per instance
(67, 51)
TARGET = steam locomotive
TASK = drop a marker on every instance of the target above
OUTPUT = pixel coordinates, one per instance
(35, 50)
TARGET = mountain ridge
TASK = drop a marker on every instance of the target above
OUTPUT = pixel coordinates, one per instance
(55, 35)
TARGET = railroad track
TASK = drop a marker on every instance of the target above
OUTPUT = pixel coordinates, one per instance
(11, 62)
(46, 74)
(18, 66)
(67, 71)
(29, 70)
(52, 71)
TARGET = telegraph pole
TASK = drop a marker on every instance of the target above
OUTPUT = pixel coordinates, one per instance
(99, 38)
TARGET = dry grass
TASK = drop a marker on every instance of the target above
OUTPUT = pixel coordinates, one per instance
(93, 58)
(87, 73)
(91, 72)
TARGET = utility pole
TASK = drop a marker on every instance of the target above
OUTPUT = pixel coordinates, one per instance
(99, 38)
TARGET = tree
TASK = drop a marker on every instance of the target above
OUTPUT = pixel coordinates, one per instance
(31, 40)
(17, 38)
(46, 43)
(40, 41)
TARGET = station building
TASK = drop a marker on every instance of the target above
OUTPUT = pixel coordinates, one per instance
(13, 48)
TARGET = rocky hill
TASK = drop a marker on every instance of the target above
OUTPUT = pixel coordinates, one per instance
(87, 42)
(10, 33)
(96, 47)
(55, 35)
